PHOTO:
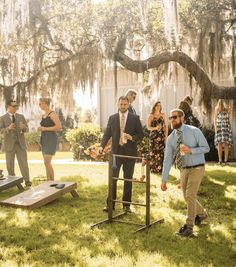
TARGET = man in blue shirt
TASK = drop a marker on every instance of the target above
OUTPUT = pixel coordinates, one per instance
(186, 146)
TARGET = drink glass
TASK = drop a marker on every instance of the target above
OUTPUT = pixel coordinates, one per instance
(124, 138)
(181, 153)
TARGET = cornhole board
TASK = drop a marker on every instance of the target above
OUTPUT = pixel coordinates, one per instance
(40, 195)
(10, 181)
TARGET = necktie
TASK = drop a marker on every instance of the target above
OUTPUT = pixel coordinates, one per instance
(13, 118)
(122, 128)
(178, 159)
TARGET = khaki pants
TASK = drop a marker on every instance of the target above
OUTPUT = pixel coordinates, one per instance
(190, 181)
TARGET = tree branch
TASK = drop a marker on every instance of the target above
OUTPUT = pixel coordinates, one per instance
(209, 89)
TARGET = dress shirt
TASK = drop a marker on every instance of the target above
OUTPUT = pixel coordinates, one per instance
(126, 114)
(191, 137)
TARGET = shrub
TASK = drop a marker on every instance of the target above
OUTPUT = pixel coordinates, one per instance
(83, 137)
(32, 138)
(209, 134)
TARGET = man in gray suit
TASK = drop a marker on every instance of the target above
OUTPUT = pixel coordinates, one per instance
(13, 126)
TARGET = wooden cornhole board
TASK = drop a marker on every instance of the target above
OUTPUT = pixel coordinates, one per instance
(40, 195)
(10, 181)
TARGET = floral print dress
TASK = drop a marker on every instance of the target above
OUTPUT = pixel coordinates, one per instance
(157, 146)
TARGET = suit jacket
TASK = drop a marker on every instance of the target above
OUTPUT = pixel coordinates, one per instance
(131, 109)
(11, 136)
(133, 127)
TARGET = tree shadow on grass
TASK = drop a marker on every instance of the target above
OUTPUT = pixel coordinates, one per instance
(59, 234)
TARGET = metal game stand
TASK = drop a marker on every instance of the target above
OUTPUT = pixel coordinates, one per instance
(115, 218)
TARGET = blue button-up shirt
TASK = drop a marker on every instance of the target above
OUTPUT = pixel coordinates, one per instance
(191, 137)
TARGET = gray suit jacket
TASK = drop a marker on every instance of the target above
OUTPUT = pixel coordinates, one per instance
(11, 136)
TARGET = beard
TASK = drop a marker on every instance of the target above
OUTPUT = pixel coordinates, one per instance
(176, 125)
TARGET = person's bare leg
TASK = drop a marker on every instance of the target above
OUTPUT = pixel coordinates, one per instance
(48, 166)
(220, 152)
(226, 152)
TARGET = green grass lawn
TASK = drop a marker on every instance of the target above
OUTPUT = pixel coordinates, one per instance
(59, 233)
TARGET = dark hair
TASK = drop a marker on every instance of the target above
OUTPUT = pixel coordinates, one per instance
(154, 106)
(183, 105)
(131, 91)
(188, 98)
(9, 102)
(123, 98)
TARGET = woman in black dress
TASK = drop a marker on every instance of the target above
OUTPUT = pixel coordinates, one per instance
(49, 125)
(158, 127)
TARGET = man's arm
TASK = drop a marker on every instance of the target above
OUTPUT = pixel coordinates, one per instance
(139, 134)
(107, 135)
(203, 146)
(3, 128)
(168, 160)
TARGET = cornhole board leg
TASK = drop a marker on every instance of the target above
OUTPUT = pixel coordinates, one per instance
(39, 195)
(20, 187)
(74, 194)
(10, 181)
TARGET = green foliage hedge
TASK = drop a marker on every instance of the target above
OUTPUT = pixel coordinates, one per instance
(81, 138)
(32, 138)
(209, 134)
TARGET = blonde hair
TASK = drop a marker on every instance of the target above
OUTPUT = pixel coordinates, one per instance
(221, 105)
(180, 112)
(45, 100)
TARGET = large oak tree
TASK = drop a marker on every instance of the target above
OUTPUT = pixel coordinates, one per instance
(57, 46)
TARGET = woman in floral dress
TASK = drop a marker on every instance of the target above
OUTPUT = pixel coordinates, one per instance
(158, 127)
(223, 131)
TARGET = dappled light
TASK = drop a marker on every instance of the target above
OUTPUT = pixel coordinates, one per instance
(222, 230)
(22, 219)
(230, 192)
(178, 54)
(60, 233)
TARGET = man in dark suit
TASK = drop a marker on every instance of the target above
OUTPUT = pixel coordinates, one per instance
(13, 126)
(125, 129)
(131, 95)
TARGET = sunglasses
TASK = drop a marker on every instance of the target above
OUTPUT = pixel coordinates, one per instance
(173, 117)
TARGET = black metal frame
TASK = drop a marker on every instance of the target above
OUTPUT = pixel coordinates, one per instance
(111, 218)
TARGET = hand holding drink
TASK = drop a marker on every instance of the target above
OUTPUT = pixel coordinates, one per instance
(182, 153)
(126, 137)
(12, 126)
(184, 149)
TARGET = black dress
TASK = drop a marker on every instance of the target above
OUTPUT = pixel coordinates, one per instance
(49, 140)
